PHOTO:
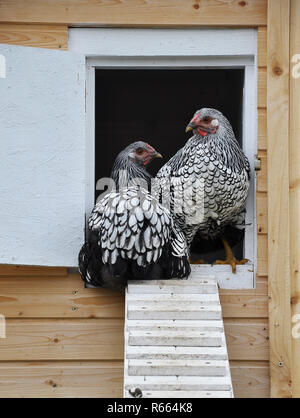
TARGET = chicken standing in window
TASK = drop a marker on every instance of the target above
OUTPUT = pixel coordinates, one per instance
(131, 235)
(215, 174)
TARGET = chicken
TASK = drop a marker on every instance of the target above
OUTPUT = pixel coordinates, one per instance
(208, 181)
(131, 235)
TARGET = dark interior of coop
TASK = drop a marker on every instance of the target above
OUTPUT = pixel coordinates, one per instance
(155, 106)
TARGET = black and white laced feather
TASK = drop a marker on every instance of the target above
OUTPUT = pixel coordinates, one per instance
(208, 178)
(131, 235)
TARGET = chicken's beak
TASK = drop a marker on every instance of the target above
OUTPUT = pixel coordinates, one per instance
(158, 155)
(189, 128)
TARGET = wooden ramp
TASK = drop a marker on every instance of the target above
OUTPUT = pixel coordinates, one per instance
(174, 340)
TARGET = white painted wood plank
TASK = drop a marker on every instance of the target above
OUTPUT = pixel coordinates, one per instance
(183, 394)
(163, 42)
(174, 327)
(210, 298)
(177, 367)
(191, 311)
(176, 353)
(212, 325)
(173, 286)
(242, 279)
(175, 338)
(195, 383)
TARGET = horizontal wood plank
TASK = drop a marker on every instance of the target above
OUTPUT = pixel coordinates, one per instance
(136, 12)
(41, 36)
(59, 339)
(61, 297)
(105, 379)
(61, 380)
(57, 297)
(96, 339)
(250, 379)
(244, 304)
(16, 270)
(247, 339)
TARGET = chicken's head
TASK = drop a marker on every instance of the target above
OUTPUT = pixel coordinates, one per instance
(142, 153)
(205, 121)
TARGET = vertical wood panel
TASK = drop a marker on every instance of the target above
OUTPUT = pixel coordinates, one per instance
(262, 46)
(295, 188)
(278, 197)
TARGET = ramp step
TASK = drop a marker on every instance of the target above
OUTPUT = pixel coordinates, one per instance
(184, 394)
(170, 310)
(166, 383)
(175, 337)
(205, 285)
(177, 367)
(169, 324)
(178, 352)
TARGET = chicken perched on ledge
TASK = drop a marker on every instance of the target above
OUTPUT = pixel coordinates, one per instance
(216, 176)
(131, 235)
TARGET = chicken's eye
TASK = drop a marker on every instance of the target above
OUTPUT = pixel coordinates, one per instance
(139, 151)
(206, 119)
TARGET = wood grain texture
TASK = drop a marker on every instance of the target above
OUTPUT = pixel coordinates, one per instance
(278, 197)
(102, 339)
(247, 339)
(262, 255)
(38, 297)
(250, 379)
(262, 212)
(262, 46)
(61, 379)
(57, 297)
(52, 297)
(262, 175)
(105, 379)
(260, 299)
(136, 12)
(245, 303)
(13, 270)
(295, 190)
(262, 129)
(62, 339)
(41, 36)
(262, 87)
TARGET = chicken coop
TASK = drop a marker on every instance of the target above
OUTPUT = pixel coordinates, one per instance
(81, 80)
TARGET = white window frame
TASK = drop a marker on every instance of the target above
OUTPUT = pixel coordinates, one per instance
(109, 48)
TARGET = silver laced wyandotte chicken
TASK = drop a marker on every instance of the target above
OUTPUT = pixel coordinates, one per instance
(131, 235)
(211, 175)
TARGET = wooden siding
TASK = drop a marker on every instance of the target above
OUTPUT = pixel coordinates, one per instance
(67, 341)
(295, 191)
(42, 36)
(136, 12)
(56, 329)
(278, 197)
